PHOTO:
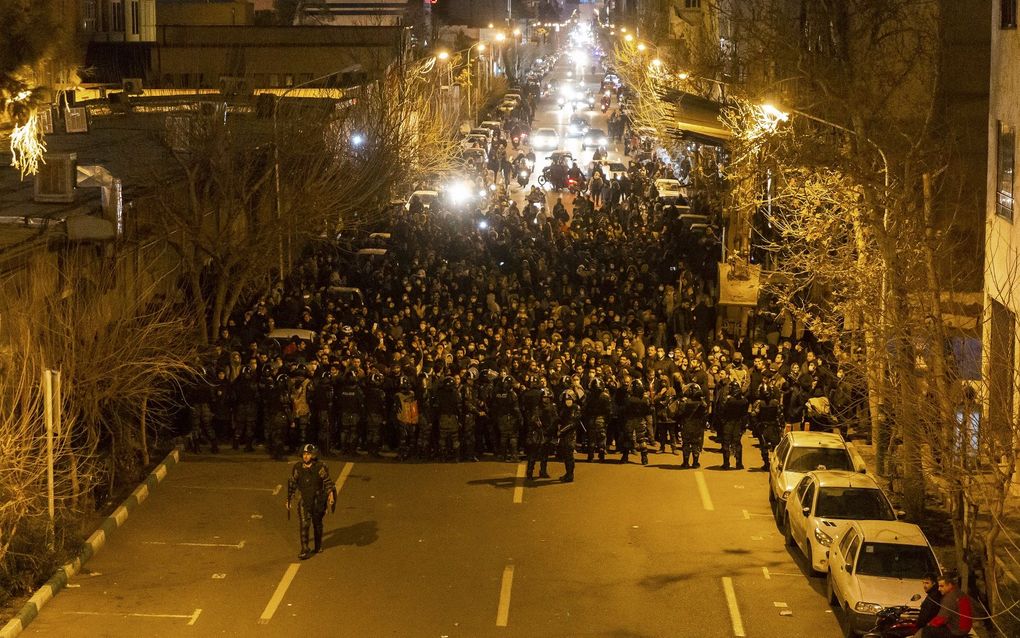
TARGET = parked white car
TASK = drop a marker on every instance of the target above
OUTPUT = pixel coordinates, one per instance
(822, 506)
(800, 452)
(878, 564)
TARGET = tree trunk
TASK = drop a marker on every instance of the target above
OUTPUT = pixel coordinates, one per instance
(143, 435)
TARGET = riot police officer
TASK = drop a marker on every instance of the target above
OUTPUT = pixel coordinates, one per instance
(767, 412)
(408, 417)
(246, 397)
(598, 410)
(637, 414)
(693, 417)
(322, 408)
(278, 419)
(506, 411)
(375, 413)
(733, 419)
(350, 403)
(447, 403)
(309, 478)
(566, 434)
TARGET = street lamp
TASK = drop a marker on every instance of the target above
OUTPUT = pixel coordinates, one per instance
(628, 38)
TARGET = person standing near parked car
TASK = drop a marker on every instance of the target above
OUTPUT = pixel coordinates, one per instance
(956, 611)
(932, 602)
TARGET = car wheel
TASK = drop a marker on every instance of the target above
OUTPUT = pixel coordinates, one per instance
(787, 532)
(541, 180)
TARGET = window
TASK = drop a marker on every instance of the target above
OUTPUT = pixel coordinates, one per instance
(809, 496)
(118, 15)
(851, 552)
(844, 545)
(1004, 172)
(134, 17)
(88, 14)
(1007, 12)
(692, 4)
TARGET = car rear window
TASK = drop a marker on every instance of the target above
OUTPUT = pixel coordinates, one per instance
(853, 503)
(805, 459)
(892, 560)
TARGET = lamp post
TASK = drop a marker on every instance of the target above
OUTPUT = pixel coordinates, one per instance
(276, 160)
(471, 77)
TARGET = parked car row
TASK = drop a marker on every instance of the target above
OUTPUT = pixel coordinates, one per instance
(835, 514)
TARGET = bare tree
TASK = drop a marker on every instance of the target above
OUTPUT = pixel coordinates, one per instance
(251, 192)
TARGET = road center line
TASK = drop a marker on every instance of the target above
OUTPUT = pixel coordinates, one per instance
(706, 500)
(281, 590)
(344, 473)
(503, 611)
(519, 484)
(765, 573)
(731, 601)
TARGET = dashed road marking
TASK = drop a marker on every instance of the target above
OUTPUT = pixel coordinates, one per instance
(519, 484)
(765, 573)
(281, 590)
(706, 499)
(239, 545)
(192, 618)
(503, 610)
(731, 602)
(226, 488)
(344, 473)
(276, 490)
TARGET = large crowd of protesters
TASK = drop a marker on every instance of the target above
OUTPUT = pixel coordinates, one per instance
(491, 330)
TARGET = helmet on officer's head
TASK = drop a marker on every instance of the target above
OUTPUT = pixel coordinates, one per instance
(282, 378)
(376, 379)
(310, 448)
(693, 391)
(546, 393)
(636, 387)
(449, 382)
(350, 376)
(596, 384)
(569, 397)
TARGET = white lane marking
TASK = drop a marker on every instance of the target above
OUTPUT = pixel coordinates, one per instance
(503, 611)
(731, 602)
(344, 473)
(239, 545)
(757, 538)
(747, 516)
(781, 605)
(281, 590)
(276, 490)
(519, 484)
(191, 618)
(706, 500)
(227, 488)
(765, 573)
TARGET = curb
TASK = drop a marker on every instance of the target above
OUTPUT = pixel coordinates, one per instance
(91, 547)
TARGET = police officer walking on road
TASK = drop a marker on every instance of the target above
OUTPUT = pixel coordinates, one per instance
(693, 416)
(309, 478)
(566, 434)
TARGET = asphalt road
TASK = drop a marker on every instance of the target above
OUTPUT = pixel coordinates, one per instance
(449, 550)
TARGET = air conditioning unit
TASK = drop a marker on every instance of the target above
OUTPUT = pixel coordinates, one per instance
(231, 86)
(56, 180)
(76, 120)
(132, 86)
(45, 116)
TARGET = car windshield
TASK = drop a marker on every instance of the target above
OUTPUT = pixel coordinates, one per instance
(615, 166)
(805, 459)
(853, 503)
(892, 560)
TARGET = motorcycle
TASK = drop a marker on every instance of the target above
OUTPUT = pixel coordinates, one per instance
(523, 176)
(894, 622)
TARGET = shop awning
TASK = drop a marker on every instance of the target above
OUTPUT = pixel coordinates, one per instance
(696, 119)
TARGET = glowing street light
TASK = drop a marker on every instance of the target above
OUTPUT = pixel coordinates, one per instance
(623, 29)
(517, 32)
(775, 112)
(656, 63)
(500, 36)
(628, 38)
(683, 75)
(443, 55)
(641, 46)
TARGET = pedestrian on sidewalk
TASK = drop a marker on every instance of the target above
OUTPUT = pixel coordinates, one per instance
(956, 616)
(309, 478)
